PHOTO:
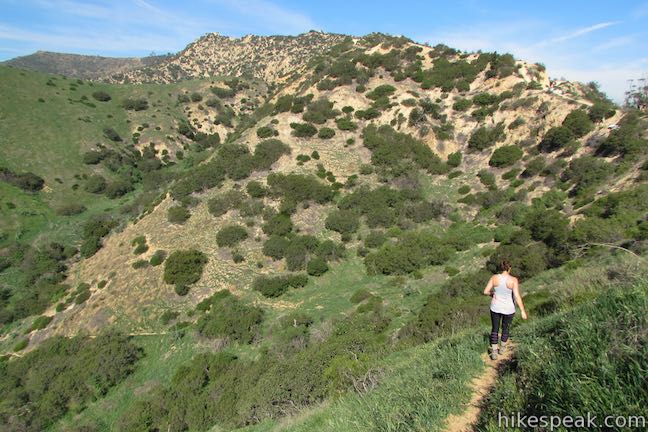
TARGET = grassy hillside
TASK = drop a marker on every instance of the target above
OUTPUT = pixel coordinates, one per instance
(306, 253)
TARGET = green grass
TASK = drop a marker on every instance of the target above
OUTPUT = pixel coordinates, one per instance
(419, 388)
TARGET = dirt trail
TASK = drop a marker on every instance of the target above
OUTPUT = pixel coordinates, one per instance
(481, 385)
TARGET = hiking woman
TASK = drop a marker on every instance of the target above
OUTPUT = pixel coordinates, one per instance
(504, 291)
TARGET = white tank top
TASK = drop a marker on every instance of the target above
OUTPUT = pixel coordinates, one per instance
(502, 301)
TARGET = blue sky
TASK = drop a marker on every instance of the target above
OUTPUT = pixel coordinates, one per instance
(603, 41)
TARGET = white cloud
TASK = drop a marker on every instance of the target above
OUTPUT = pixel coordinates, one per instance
(577, 33)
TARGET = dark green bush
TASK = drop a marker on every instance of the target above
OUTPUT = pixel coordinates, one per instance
(95, 184)
(505, 156)
(184, 267)
(255, 189)
(343, 221)
(135, 104)
(316, 266)
(485, 137)
(265, 132)
(178, 214)
(158, 258)
(112, 134)
(229, 317)
(62, 376)
(303, 130)
(326, 133)
(556, 138)
(267, 152)
(225, 202)
(278, 225)
(231, 235)
(578, 122)
(40, 322)
(454, 159)
(101, 96)
(274, 286)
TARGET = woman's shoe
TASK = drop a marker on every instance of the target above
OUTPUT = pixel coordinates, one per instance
(493, 352)
(503, 347)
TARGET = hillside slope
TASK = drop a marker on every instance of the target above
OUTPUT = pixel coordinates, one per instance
(80, 66)
(301, 232)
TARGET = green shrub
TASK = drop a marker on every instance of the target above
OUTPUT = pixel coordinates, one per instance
(118, 188)
(461, 104)
(274, 286)
(487, 178)
(343, 221)
(63, 376)
(454, 159)
(384, 90)
(326, 133)
(139, 264)
(140, 248)
(464, 189)
(255, 189)
(112, 134)
(267, 152)
(303, 130)
(505, 156)
(82, 296)
(278, 225)
(225, 202)
(95, 184)
(101, 96)
(196, 97)
(184, 267)
(578, 122)
(135, 104)
(168, 316)
(534, 167)
(316, 266)
(71, 209)
(451, 271)
(20, 345)
(231, 235)
(485, 137)
(360, 295)
(390, 149)
(600, 111)
(40, 323)
(346, 124)
(265, 132)
(158, 258)
(319, 111)
(229, 317)
(178, 214)
(556, 138)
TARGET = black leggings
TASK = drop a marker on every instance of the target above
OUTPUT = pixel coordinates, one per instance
(495, 321)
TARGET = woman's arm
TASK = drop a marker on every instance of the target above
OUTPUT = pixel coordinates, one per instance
(489, 287)
(518, 299)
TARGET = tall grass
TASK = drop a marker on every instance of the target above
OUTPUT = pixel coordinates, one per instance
(593, 358)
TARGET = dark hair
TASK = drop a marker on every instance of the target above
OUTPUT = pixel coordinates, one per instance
(504, 265)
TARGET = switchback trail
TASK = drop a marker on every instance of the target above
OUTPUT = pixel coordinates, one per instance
(480, 385)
